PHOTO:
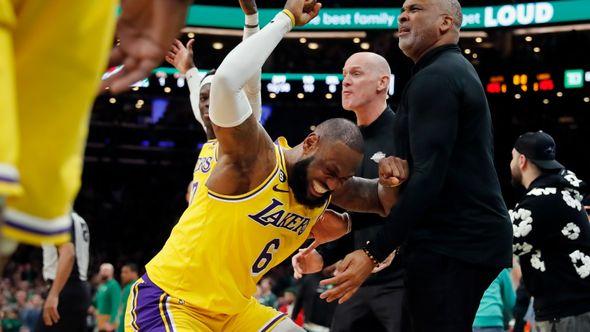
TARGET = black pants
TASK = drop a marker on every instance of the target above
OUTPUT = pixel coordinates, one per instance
(373, 308)
(74, 300)
(443, 293)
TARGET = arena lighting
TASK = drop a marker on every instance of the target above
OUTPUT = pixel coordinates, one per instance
(559, 94)
(272, 95)
(494, 87)
(553, 29)
(546, 85)
(574, 78)
(308, 83)
(217, 45)
(167, 89)
(356, 40)
(520, 79)
(545, 101)
(300, 95)
(473, 34)
(365, 46)
(478, 40)
(313, 46)
(135, 88)
(112, 100)
(302, 40)
(517, 96)
(467, 51)
(528, 38)
(328, 96)
(537, 49)
(587, 99)
(474, 55)
(191, 35)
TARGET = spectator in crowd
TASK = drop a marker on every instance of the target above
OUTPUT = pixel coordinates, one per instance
(496, 305)
(108, 298)
(10, 321)
(267, 297)
(287, 304)
(129, 274)
(31, 313)
(551, 235)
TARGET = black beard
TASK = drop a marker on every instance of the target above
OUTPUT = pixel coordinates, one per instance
(516, 182)
(298, 183)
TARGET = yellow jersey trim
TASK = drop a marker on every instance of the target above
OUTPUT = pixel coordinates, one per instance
(34, 238)
(253, 192)
(274, 322)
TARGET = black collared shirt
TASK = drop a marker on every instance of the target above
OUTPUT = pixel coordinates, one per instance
(378, 144)
(452, 202)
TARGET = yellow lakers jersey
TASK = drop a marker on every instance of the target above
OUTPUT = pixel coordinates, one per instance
(223, 245)
(205, 163)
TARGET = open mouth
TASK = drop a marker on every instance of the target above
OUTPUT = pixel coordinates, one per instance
(318, 189)
(403, 31)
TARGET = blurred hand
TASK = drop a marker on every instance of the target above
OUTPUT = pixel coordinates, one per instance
(248, 7)
(180, 56)
(146, 28)
(50, 314)
(393, 171)
(330, 226)
(307, 261)
(302, 17)
(350, 274)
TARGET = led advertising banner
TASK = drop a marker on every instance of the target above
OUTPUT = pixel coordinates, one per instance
(510, 15)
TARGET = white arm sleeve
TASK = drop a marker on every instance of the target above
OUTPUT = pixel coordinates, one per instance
(193, 80)
(253, 85)
(229, 106)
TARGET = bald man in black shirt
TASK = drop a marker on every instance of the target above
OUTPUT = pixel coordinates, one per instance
(451, 217)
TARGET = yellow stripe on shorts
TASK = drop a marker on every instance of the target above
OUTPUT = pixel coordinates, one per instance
(135, 295)
(162, 304)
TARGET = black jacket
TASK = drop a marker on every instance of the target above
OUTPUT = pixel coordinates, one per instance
(452, 203)
(552, 240)
(378, 144)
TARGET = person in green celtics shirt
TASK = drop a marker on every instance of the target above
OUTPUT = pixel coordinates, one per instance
(129, 274)
(108, 298)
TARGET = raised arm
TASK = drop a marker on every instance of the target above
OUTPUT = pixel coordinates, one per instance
(253, 85)
(237, 131)
(181, 57)
(374, 195)
(245, 149)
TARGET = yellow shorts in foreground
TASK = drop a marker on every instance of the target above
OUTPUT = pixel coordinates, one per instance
(151, 309)
(52, 54)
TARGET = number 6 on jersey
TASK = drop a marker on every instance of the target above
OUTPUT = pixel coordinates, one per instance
(265, 256)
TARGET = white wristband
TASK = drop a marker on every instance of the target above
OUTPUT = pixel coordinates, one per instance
(251, 20)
